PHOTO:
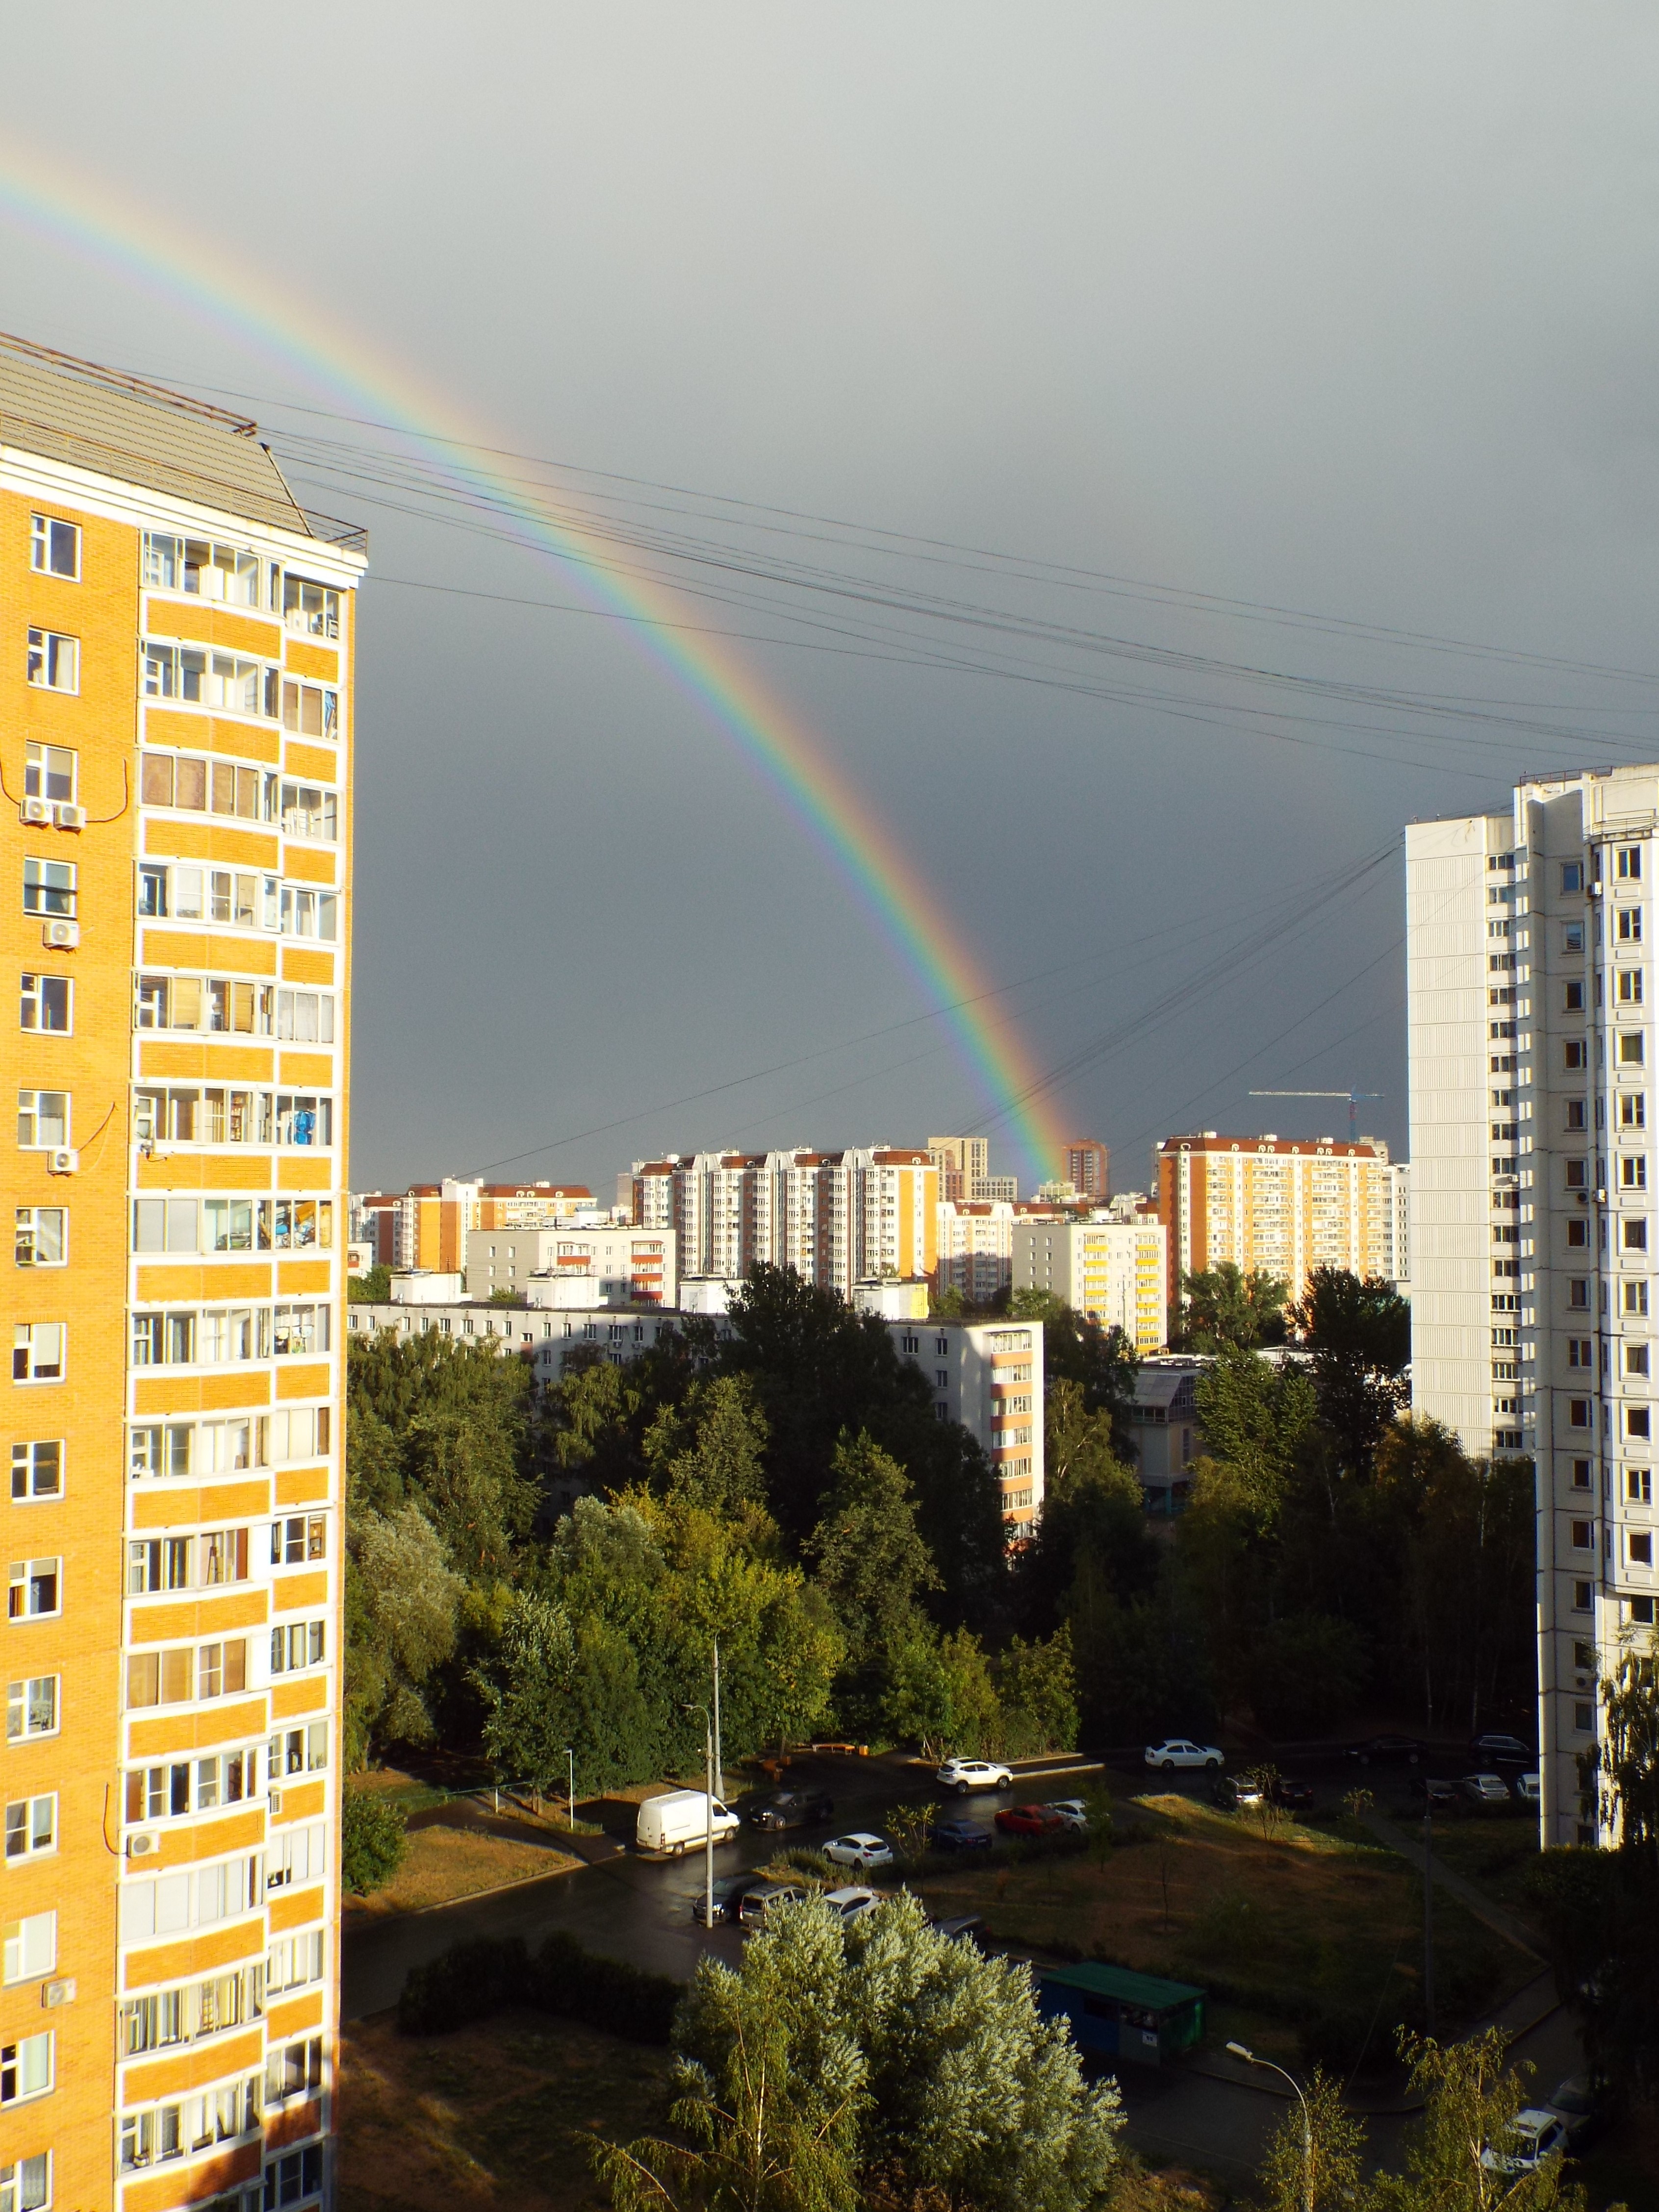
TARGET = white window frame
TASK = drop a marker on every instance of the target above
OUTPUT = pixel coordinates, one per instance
(26, 2184)
(45, 535)
(39, 1227)
(53, 1333)
(30, 1948)
(37, 2046)
(24, 1818)
(43, 767)
(32, 995)
(26, 1463)
(24, 1579)
(50, 888)
(22, 1701)
(53, 661)
(28, 1110)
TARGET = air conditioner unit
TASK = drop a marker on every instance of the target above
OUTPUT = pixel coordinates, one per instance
(54, 1993)
(66, 1160)
(69, 818)
(61, 936)
(142, 1843)
(38, 810)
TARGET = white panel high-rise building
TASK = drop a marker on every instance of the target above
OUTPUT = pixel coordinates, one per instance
(1532, 1240)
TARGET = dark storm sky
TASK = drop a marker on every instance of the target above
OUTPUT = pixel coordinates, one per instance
(1347, 313)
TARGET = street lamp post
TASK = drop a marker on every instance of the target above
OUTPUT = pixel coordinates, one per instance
(1428, 1913)
(708, 1812)
(1250, 2058)
(719, 1764)
(569, 1754)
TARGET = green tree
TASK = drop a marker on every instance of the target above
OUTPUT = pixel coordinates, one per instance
(1036, 1685)
(1077, 1349)
(1094, 1511)
(1306, 1672)
(911, 2068)
(1619, 1782)
(371, 1288)
(463, 1465)
(372, 1840)
(1256, 1418)
(402, 1599)
(1315, 2161)
(713, 1444)
(1223, 1307)
(1471, 2095)
(528, 1708)
(867, 1556)
(1360, 1336)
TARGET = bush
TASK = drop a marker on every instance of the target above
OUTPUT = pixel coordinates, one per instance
(372, 1840)
(470, 1981)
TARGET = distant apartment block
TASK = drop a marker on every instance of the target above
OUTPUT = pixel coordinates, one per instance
(838, 1218)
(988, 1376)
(580, 1262)
(1275, 1205)
(1087, 1166)
(1533, 1044)
(962, 1163)
(428, 1225)
(1115, 1272)
(975, 1246)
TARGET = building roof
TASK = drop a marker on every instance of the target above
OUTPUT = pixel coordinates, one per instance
(1210, 1140)
(1150, 1992)
(120, 426)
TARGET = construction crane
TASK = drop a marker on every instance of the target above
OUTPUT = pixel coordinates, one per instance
(1352, 1096)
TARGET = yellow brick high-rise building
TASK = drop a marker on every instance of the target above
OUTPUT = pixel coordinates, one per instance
(176, 642)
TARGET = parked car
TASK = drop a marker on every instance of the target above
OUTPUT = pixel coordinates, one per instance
(1485, 1789)
(1385, 1751)
(860, 1850)
(1224, 1793)
(1074, 1814)
(850, 1905)
(1295, 1796)
(758, 1903)
(964, 1927)
(1528, 1788)
(1527, 2141)
(1176, 1751)
(1582, 2108)
(678, 1821)
(958, 1836)
(962, 1775)
(1440, 1796)
(794, 1808)
(1028, 1820)
(1501, 1751)
(729, 1894)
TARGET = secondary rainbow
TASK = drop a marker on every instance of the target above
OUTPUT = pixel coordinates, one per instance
(145, 250)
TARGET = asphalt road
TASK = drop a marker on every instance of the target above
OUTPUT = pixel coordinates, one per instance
(640, 1909)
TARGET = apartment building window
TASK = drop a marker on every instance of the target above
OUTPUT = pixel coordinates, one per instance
(299, 1751)
(31, 1948)
(299, 1433)
(311, 710)
(1630, 987)
(1639, 1421)
(1580, 1474)
(37, 1469)
(33, 1589)
(1636, 1359)
(305, 1016)
(314, 609)
(1633, 1171)
(1575, 1054)
(54, 548)
(1572, 875)
(212, 1003)
(1582, 1535)
(47, 1003)
(195, 785)
(49, 888)
(191, 1785)
(303, 1118)
(226, 573)
(1583, 1597)
(293, 1961)
(299, 1537)
(32, 1708)
(293, 2071)
(1632, 1048)
(1572, 937)
(221, 895)
(1640, 1546)
(1578, 1292)
(54, 660)
(170, 2131)
(309, 914)
(158, 1563)
(298, 1645)
(1641, 1612)
(1628, 924)
(1577, 1175)
(38, 1352)
(1632, 1110)
(42, 1236)
(1581, 1351)
(1638, 1485)
(1578, 1413)
(43, 1120)
(25, 2068)
(297, 2175)
(198, 677)
(32, 1826)
(1575, 1113)
(1635, 1237)
(310, 811)
(1573, 996)
(300, 1331)
(1627, 864)
(296, 1855)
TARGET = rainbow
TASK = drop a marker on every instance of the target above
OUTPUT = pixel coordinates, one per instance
(143, 249)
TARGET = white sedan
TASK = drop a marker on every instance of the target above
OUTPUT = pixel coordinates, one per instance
(851, 1904)
(1073, 1812)
(860, 1850)
(1176, 1751)
(962, 1775)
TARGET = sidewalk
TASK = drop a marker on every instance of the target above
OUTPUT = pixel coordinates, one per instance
(1491, 1916)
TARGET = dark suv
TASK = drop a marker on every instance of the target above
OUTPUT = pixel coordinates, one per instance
(794, 1808)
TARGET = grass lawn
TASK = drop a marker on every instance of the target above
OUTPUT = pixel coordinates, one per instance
(498, 2114)
(1309, 1942)
(1494, 1851)
(444, 1863)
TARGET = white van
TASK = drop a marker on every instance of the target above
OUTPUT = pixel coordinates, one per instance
(678, 1821)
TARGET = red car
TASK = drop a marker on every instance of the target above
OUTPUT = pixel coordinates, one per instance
(1029, 1821)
